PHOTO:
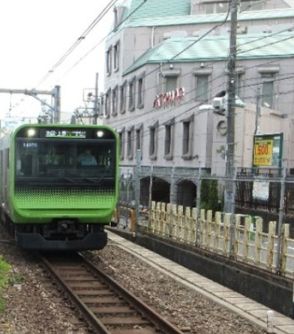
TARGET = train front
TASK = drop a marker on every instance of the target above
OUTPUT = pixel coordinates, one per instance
(63, 186)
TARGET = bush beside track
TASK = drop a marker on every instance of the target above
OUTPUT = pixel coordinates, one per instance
(4, 279)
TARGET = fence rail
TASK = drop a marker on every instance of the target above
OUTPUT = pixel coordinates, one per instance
(242, 237)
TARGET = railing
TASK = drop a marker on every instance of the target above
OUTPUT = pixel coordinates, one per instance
(241, 237)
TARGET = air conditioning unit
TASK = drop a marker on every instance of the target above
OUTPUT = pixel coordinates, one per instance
(219, 105)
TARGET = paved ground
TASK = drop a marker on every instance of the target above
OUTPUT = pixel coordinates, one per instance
(247, 308)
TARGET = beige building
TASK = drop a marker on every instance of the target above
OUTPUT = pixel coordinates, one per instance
(163, 73)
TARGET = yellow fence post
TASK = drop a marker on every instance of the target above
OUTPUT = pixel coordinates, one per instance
(174, 221)
(168, 225)
(238, 238)
(180, 216)
(187, 225)
(248, 221)
(161, 217)
(271, 243)
(285, 236)
(227, 223)
(152, 218)
(133, 225)
(258, 232)
(194, 224)
(158, 217)
(208, 228)
(217, 229)
(202, 228)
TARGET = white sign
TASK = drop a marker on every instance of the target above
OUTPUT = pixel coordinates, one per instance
(260, 190)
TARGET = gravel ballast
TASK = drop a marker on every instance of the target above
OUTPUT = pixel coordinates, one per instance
(34, 305)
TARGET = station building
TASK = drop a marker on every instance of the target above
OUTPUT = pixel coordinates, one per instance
(166, 61)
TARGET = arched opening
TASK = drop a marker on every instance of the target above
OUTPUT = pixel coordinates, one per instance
(186, 193)
(160, 190)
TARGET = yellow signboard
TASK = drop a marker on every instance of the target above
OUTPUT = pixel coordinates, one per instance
(263, 152)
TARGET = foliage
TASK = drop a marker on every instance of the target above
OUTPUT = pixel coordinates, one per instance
(209, 195)
(4, 279)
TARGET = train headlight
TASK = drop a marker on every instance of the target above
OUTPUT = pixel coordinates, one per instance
(100, 134)
(31, 132)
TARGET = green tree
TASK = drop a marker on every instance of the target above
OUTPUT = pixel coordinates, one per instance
(209, 195)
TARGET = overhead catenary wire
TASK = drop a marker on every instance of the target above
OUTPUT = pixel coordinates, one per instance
(104, 38)
(169, 60)
(91, 27)
(211, 63)
(194, 106)
(81, 38)
(120, 122)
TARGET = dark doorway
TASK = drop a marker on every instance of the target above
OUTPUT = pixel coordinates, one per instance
(186, 193)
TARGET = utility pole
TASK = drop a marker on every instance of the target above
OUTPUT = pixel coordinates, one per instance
(231, 92)
(56, 94)
(96, 100)
(257, 115)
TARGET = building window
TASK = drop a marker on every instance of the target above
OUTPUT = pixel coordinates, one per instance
(188, 138)
(140, 87)
(202, 87)
(132, 86)
(267, 95)
(169, 140)
(268, 74)
(121, 135)
(139, 138)
(114, 101)
(170, 83)
(109, 61)
(214, 7)
(153, 141)
(130, 143)
(123, 98)
(107, 103)
(116, 56)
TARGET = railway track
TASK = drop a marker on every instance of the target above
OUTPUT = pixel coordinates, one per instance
(106, 306)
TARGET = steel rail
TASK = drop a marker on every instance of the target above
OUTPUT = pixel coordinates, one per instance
(152, 321)
(87, 313)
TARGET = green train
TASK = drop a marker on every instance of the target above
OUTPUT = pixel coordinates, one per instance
(59, 185)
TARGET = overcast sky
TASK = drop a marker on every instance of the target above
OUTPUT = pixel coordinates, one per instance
(35, 34)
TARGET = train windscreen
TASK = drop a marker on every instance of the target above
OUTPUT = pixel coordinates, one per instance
(65, 161)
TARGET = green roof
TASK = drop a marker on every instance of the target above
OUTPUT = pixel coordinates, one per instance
(216, 48)
(179, 18)
(159, 8)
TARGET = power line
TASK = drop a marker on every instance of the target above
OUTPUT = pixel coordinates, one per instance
(210, 63)
(104, 38)
(74, 45)
(120, 122)
(79, 40)
(146, 132)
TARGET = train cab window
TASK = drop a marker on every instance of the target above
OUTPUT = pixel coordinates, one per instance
(86, 158)
(73, 162)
